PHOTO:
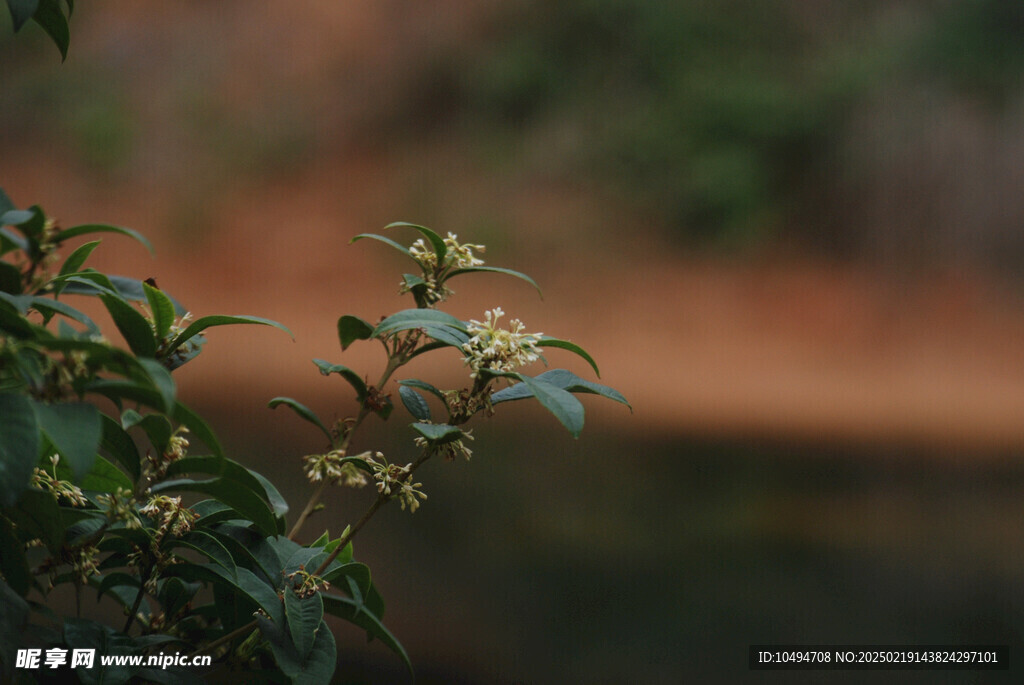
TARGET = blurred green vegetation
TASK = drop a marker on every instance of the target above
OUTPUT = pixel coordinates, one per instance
(719, 116)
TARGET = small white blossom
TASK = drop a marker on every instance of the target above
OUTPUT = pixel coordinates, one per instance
(499, 349)
(57, 487)
(461, 256)
(393, 481)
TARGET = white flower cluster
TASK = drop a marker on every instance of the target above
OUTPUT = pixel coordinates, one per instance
(457, 256)
(57, 487)
(461, 256)
(393, 481)
(330, 467)
(173, 517)
(450, 450)
(121, 507)
(499, 349)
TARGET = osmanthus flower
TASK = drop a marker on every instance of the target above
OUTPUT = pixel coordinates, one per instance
(499, 349)
(329, 466)
(450, 450)
(461, 256)
(457, 256)
(57, 487)
(172, 516)
(121, 507)
(85, 563)
(393, 481)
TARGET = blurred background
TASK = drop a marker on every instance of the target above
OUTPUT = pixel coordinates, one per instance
(789, 232)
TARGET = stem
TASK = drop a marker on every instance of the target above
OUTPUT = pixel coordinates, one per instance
(395, 360)
(223, 639)
(377, 504)
(134, 610)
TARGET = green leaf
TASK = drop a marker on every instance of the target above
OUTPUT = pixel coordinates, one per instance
(243, 500)
(21, 12)
(439, 325)
(566, 408)
(75, 429)
(105, 477)
(316, 668)
(205, 322)
(423, 385)
(18, 445)
(356, 613)
(414, 402)
(438, 433)
(352, 328)
(15, 569)
(156, 427)
(326, 368)
(85, 229)
(210, 547)
(119, 445)
(233, 471)
(18, 217)
(10, 279)
(497, 270)
(304, 617)
(89, 282)
(133, 325)
(37, 515)
(303, 411)
(548, 341)
(51, 18)
(162, 308)
(162, 381)
(387, 241)
(47, 306)
(197, 427)
(77, 258)
(437, 241)
(566, 380)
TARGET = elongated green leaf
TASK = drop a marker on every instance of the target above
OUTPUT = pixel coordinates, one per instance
(439, 325)
(156, 426)
(105, 477)
(18, 217)
(423, 385)
(566, 408)
(162, 308)
(414, 402)
(316, 668)
(162, 381)
(120, 446)
(16, 571)
(243, 500)
(387, 241)
(85, 229)
(437, 433)
(435, 240)
(10, 279)
(563, 379)
(210, 547)
(198, 427)
(75, 429)
(233, 471)
(77, 258)
(548, 341)
(90, 282)
(303, 411)
(326, 368)
(50, 16)
(352, 328)
(205, 322)
(133, 326)
(304, 617)
(48, 307)
(244, 581)
(21, 12)
(355, 613)
(37, 515)
(497, 270)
